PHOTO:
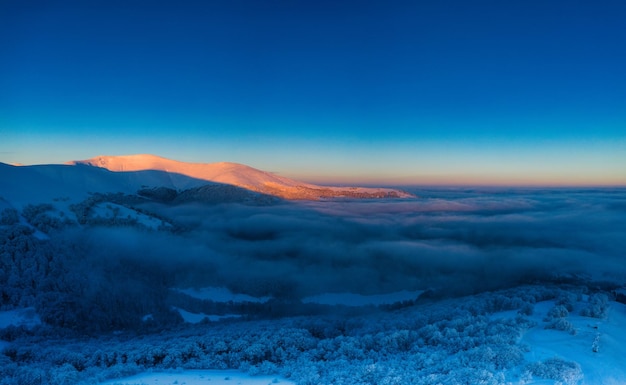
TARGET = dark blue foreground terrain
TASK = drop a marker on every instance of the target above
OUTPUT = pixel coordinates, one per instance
(103, 283)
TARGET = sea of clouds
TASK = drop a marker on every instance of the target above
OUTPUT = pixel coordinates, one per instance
(457, 241)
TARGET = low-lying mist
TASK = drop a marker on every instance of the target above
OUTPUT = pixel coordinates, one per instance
(455, 241)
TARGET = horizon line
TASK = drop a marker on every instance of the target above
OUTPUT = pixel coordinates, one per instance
(348, 181)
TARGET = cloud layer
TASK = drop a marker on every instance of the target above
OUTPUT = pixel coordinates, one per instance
(460, 241)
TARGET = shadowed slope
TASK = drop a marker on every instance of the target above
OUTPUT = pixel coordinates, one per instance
(239, 175)
(22, 185)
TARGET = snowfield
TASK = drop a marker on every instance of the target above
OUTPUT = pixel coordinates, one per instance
(198, 377)
(112, 211)
(238, 175)
(352, 299)
(19, 317)
(194, 318)
(221, 294)
(596, 345)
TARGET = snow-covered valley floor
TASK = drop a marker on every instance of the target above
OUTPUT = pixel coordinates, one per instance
(198, 377)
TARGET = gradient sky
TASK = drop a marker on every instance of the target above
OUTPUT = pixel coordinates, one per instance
(400, 92)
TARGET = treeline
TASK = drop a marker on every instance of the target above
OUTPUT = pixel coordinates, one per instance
(451, 341)
(72, 289)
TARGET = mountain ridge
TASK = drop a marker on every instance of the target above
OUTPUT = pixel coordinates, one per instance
(239, 175)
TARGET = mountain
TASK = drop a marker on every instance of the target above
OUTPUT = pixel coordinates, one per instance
(79, 188)
(238, 175)
(42, 183)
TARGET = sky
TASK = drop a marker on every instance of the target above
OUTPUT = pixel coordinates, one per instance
(402, 92)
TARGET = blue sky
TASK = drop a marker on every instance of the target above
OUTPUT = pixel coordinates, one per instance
(445, 92)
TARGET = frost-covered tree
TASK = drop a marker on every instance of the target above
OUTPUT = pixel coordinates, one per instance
(39, 217)
(9, 217)
(597, 306)
(565, 372)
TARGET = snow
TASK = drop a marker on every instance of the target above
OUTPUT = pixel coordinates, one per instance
(444, 341)
(108, 210)
(351, 299)
(369, 190)
(19, 317)
(597, 345)
(64, 184)
(603, 367)
(73, 182)
(229, 173)
(221, 294)
(198, 377)
(195, 318)
(503, 315)
(221, 172)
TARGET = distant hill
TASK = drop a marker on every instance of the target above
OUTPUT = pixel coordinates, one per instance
(238, 175)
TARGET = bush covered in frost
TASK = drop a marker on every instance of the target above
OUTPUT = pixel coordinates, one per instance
(9, 216)
(443, 342)
(564, 372)
(39, 216)
(597, 306)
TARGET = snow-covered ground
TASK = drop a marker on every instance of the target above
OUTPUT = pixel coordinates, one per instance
(221, 294)
(198, 377)
(597, 345)
(25, 317)
(351, 299)
(194, 318)
(519, 336)
(234, 174)
(587, 351)
(19, 317)
(112, 211)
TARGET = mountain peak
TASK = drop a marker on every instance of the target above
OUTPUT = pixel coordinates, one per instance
(238, 175)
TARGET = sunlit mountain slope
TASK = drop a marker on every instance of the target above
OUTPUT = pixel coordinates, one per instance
(238, 175)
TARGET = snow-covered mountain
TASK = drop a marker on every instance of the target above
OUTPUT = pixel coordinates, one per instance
(108, 190)
(43, 183)
(237, 175)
